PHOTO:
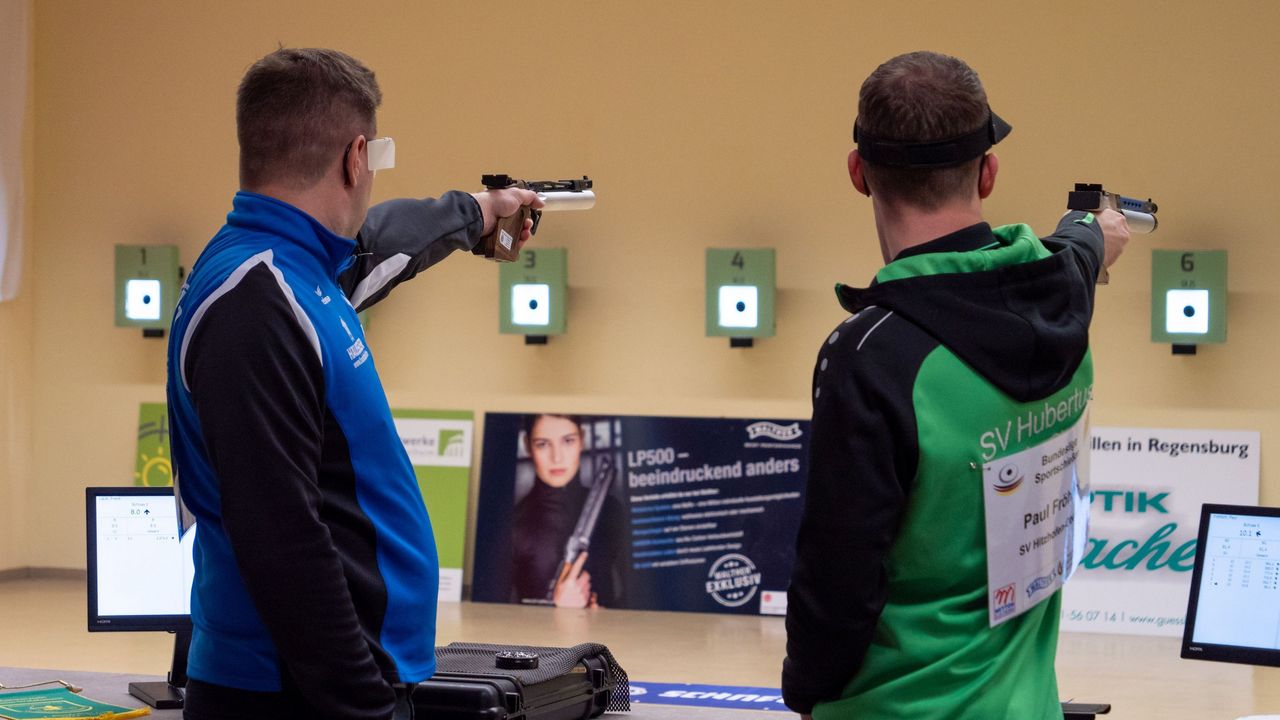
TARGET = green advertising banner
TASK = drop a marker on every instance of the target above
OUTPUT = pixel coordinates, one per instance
(439, 445)
(153, 467)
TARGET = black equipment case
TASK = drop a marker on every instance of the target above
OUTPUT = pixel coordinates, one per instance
(508, 682)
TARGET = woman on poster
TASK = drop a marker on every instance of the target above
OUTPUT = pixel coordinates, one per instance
(548, 568)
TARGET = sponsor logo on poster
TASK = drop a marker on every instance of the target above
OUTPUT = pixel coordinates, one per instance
(453, 443)
(153, 467)
(433, 442)
(773, 602)
(733, 580)
(774, 431)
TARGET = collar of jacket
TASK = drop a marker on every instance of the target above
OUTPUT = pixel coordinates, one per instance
(1005, 245)
(1008, 245)
(265, 214)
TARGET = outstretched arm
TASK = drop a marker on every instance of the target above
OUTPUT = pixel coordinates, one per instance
(401, 238)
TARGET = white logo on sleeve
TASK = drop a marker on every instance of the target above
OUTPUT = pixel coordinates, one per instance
(356, 352)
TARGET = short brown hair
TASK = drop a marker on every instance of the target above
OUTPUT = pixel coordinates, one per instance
(296, 110)
(922, 97)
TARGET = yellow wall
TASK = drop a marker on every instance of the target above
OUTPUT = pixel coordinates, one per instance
(704, 124)
(16, 324)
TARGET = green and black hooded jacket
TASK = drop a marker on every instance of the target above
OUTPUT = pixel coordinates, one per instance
(887, 614)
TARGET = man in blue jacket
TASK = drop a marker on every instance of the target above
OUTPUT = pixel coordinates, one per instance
(316, 571)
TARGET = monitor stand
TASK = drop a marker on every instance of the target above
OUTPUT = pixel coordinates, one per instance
(167, 695)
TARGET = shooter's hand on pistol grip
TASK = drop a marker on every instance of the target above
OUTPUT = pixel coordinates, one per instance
(1115, 235)
(508, 209)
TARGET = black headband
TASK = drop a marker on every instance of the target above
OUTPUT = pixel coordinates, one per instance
(944, 153)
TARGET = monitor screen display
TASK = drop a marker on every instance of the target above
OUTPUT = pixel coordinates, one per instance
(140, 564)
(1233, 613)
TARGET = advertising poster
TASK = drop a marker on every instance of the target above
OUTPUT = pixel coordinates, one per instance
(152, 466)
(16, 57)
(1148, 486)
(649, 513)
(439, 447)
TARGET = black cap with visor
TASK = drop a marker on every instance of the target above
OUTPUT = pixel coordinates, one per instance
(939, 154)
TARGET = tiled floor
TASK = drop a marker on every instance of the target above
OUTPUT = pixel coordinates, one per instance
(42, 624)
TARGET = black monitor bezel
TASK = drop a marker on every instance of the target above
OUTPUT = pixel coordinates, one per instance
(121, 623)
(1210, 651)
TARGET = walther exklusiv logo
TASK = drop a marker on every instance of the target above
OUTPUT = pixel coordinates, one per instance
(774, 431)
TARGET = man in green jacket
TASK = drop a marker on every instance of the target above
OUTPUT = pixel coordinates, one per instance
(953, 398)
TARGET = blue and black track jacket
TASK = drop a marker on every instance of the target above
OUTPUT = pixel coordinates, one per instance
(316, 569)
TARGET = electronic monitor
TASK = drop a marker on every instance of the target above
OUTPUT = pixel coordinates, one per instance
(1233, 614)
(140, 564)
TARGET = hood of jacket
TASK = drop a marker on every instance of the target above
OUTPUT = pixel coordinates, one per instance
(1015, 310)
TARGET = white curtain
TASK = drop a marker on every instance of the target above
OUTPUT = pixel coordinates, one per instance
(15, 61)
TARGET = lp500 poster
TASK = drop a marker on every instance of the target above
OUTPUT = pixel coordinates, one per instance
(651, 513)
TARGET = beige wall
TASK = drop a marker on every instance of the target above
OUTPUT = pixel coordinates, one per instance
(16, 317)
(16, 329)
(704, 124)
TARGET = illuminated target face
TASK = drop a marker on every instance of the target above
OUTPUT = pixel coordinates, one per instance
(531, 304)
(142, 299)
(1008, 479)
(1187, 311)
(739, 306)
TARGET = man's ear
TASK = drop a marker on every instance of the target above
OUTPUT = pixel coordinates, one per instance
(855, 173)
(354, 165)
(987, 175)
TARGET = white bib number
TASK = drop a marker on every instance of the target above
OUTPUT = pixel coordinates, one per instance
(1037, 513)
